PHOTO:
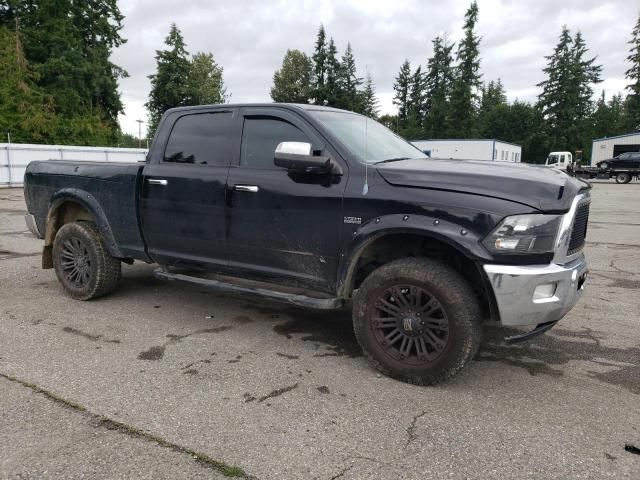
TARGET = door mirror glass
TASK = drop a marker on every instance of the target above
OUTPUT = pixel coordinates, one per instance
(298, 157)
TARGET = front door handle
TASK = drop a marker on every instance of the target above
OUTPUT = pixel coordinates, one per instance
(246, 188)
(157, 181)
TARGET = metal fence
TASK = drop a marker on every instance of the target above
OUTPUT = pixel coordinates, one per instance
(14, 157)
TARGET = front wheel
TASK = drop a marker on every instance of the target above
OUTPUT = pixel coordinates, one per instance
(623, 178)
(82, 263)
(417, 320)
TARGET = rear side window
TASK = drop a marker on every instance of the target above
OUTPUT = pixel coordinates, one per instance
(261, 136)
(202, 138)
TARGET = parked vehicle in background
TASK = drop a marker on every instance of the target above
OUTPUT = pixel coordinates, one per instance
(560, 161)
(624, 161)
(322, 208)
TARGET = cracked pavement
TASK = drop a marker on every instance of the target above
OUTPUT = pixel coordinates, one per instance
(162, 380)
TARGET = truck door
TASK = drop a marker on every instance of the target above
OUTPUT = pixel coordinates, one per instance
(182, 203)
(282, 225)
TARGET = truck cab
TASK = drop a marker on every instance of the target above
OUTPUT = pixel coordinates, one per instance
(559, 160)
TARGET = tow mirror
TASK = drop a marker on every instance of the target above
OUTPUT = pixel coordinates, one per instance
(298, 157)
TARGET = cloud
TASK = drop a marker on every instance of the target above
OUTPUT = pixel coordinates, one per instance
(249, 38)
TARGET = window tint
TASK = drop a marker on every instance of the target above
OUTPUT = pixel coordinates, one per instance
(261, 136)
(201, 138)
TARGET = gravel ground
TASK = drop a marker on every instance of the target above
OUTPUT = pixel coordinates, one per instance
(162, 380)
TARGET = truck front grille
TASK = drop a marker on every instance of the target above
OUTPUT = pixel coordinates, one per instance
(579, 229)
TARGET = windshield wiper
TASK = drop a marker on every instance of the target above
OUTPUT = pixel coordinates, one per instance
(389, 160)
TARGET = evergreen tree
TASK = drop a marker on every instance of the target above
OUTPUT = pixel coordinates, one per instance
(25, 111)
(401, 87)
(438, 83)
(632, 105)
(491, 114)
(170, 83)
(205, 84)
(333, 73)
(608, 118)
(369, 100)
(565, 100)
(320, 68)
(68, 45)
(349, 83)
(416, 106)
(463, 105)
(292, 83)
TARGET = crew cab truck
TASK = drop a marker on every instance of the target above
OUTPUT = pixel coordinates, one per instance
(325, 209)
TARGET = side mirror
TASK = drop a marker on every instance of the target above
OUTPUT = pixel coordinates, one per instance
(298, 157)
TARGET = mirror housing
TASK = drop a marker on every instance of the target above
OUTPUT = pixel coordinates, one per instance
(298, 157)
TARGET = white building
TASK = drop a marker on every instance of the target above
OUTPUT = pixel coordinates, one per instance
(471, 149)
(609, 147)
(14, 157)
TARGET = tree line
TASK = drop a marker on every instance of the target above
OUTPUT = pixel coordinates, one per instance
(448, 99)
(59, 85)
(324, 79)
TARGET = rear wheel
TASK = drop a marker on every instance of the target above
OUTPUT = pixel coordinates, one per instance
(82, 263)
(623, 178)
(417, 320)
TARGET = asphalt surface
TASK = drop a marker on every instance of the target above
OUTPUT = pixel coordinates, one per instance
(163, 380)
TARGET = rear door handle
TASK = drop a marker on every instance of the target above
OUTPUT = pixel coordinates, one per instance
(246, 188)
(157, 181)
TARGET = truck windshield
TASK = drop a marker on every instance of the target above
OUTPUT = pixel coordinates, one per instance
(552, 159)
(367, 140)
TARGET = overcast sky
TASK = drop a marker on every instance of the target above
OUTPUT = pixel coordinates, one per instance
(249, 38)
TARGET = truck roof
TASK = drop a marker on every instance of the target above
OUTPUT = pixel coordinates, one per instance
(299, 106)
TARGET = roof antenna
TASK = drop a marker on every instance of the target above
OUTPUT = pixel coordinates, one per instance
(365, 187)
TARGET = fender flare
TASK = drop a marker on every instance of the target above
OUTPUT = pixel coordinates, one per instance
(463, 240)
(89, 203)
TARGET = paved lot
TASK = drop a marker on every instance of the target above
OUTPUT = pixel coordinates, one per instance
(168, 381)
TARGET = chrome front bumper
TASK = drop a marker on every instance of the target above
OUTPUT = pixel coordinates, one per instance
(514, 287)
(32, 225)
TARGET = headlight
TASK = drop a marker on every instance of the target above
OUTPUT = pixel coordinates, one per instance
(524, 234)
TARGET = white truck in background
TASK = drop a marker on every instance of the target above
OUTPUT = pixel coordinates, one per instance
(560, 161)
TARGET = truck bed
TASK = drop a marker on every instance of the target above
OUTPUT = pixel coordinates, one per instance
(110, 187)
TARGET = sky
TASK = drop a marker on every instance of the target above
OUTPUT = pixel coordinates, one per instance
(249, 38)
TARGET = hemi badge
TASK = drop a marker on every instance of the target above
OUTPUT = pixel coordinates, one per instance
(356, 220)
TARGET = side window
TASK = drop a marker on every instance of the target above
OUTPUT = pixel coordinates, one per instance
(261, 136)
(201, 138)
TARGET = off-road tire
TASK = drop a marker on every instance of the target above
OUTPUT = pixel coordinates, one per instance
(623, 178)
(457, 300)
(102, 270)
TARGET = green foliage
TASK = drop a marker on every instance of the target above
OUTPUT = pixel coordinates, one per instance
(348, 83)
(169, 85)
(292, 83)
(369, 101)
(438, 83)
(320, 68)
(565, 100)
(68, 86)
(324, 79)
(632, 104)
(463, 104)
(401, 87)
(205, 85)
(180, 81)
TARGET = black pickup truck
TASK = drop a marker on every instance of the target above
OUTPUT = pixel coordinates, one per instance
(327, 209)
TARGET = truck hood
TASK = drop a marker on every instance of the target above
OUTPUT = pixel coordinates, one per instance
(545, 189)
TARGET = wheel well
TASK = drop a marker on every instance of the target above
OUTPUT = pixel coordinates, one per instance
(396, 246)
(58, 216)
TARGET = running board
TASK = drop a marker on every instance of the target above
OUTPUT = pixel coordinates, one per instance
(540, 329)
(292, 298)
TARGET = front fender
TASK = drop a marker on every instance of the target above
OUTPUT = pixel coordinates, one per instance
(463, 240)
(89, 203)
